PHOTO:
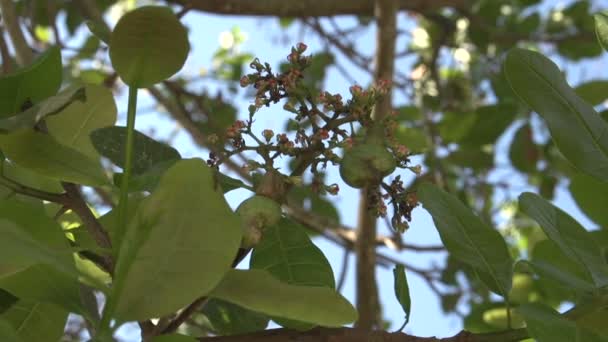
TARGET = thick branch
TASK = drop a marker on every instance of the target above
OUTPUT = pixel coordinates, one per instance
(365, 245)
(308, 8)
(359, 335)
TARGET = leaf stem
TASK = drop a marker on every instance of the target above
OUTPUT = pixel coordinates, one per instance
(123, 203)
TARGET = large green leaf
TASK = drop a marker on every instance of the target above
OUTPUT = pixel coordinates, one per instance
(468, 238)
(31, 85)
(35, 224)
(560, 276)
(568, 234)
(43, 283)
(148, 45)
(601, 28)
(578, 130)
(109, 142)
(73, 125)
(230, 319)
(178, 247)
(8, 333)
(287, 253)
(35, 321)
(42, 153)
(48, 107)
(259, 291)
(19, 247)
(591, 196)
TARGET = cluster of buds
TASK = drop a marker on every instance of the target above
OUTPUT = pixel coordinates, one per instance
(322, 124)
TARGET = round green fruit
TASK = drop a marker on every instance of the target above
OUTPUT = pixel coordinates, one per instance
(257, 212)
(365, 164)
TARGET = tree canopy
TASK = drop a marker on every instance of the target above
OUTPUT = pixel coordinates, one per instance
(479, 113)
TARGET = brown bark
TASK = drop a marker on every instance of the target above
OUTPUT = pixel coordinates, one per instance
(308, 8)
(359, 335)
(365, 245)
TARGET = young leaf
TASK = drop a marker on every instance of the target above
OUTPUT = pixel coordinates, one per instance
(73, 125)
(402, 291)
(601, 28)
(288, 254)
(31, 85)
(109, 142)
(42, 153)
(568, 234)
(148, 45)
(48, 107)
(230, 319)
(257, 290)
(35, 321)
(468, 238)
(577, 129)
(178, 247)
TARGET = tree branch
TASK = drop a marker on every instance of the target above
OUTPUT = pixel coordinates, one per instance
(359, 335)
(365, 244)
(308, 8)
(23, 52)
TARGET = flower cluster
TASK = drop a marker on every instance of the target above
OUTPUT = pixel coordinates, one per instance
(321, 125)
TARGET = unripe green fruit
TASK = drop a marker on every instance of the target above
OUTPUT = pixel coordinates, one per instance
(365, 164)
(257, 212)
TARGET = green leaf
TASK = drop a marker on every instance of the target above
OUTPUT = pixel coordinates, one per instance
(546, 325)
(19, 247)
(43, 283)
(601, 28)
(148, 45)
(591, 196)
(568, 234)
(577, 129)
(594, 92)
(414, 139)
(73, 125)
(148, 180)
(288, 254)
(490, 122)
(109, 142)
(100, 30)
(8, 333)
(31, 85)
(230, 319)
(560, 276)
(34, 321)
(178, 247)
(228, 183)
(41, 153)
(468, 238)
(34, 223)
(48, 107)
(6, 300)
(173, 338)
(523, 153)
(402, 291)
(259, 291)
